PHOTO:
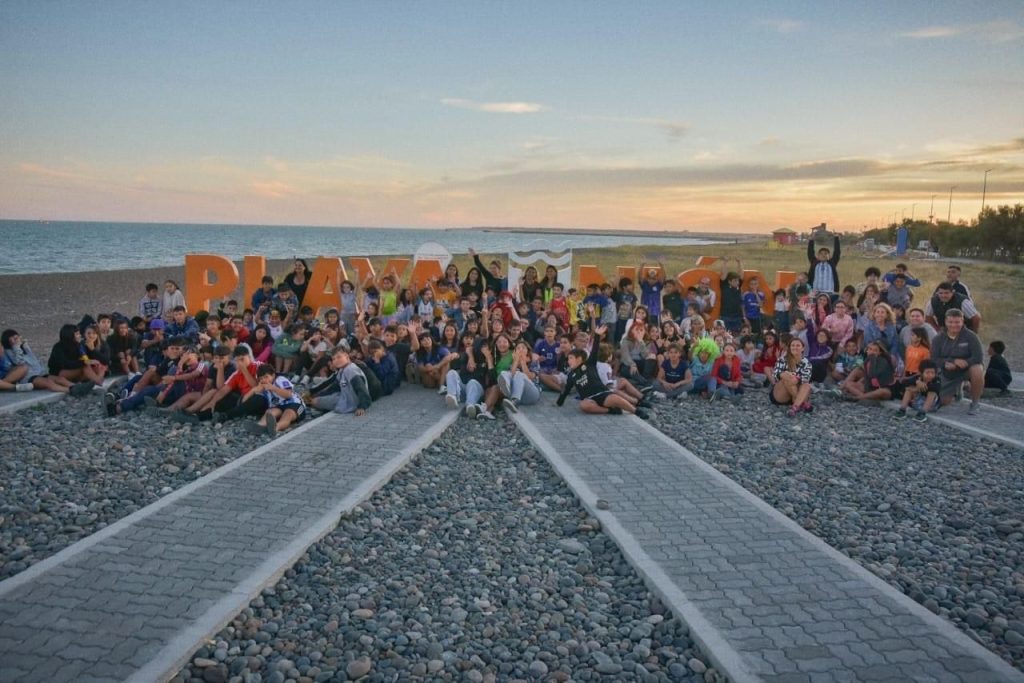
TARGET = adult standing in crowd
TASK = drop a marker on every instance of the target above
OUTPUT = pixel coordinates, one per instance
(298, 280)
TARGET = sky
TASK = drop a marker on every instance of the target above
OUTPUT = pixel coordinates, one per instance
(702, 116)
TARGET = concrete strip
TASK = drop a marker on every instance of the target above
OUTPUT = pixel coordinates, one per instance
(711, 641)
(945, 628)
(33, 572)
(951, 420)
(13, 402)
(177, 653)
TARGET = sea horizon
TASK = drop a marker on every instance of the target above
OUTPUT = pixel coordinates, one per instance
(45, 246)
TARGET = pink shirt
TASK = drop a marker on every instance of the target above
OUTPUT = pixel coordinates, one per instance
(839, 330)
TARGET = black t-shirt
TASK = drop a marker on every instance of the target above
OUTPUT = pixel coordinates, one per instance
(401, 351)
(732, 301)
(673, 303)
(298, 290)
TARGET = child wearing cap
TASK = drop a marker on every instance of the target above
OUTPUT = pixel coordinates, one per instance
(152, 343)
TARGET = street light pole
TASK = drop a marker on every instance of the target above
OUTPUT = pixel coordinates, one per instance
(931, 211)
(912, 208)
(984, 188)
(949, 214)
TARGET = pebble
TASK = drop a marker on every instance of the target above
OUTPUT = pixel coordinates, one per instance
(69, 471)
(549, 598)
(936, 524)
(358, 668)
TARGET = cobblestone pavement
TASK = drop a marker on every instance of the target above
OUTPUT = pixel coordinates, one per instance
(134, 600)
(766, 599)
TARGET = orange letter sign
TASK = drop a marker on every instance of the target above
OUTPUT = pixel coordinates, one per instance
(208, 276)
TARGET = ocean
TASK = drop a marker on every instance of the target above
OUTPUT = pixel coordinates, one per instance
(69, 246)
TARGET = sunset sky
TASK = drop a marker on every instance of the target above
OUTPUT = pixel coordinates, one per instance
(700, 116)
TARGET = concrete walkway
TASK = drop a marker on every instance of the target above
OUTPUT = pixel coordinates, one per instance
(766, 599)
(991, 421)
(134, 600)
(12, 401)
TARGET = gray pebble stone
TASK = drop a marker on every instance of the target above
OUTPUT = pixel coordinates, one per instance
(358, 668)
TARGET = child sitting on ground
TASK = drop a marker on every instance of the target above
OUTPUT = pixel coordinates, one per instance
(17, 354)
(383, 364)
(705, 352)
(595, 397)
(608, 378)
(674, 376)
(748, 355)
(285, 406)
(923, 394)
(847, 361)
(998, 375)
(727, 375)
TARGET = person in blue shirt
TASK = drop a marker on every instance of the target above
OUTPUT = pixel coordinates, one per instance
(652, 281)
(674, 376)
(383, 364)
(753, 299)
(182, 325)
(262, 297)
(901, 269)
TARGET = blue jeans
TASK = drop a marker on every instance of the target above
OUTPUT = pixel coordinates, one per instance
(470, 392)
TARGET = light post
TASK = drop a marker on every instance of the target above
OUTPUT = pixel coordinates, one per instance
(912, 208)
(931, 211)
(984, 188)
(949, 214)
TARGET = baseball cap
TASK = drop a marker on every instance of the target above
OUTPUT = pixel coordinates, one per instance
(157, 324)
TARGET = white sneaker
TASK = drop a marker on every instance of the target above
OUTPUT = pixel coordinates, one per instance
(484, 413)
(442, 390)
(503, 385)
(511, 405)
(294, 379)
(451, 401)
(659, 395)
(472, 410)
(24, 386)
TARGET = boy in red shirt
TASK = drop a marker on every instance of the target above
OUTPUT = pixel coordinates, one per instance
(226, 403)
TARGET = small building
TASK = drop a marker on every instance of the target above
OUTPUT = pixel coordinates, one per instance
(784, 236)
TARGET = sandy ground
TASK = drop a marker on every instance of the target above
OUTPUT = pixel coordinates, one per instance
(36, 305)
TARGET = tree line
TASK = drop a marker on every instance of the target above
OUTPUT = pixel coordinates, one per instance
(997, 234)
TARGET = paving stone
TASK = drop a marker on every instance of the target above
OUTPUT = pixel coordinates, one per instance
(806, 614)
(124, 598)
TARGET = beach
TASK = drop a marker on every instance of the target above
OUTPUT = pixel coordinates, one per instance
(37, 304)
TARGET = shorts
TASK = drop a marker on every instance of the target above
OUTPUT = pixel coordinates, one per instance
(600, 398)
(771, 397)
(298, 408)
(951, 382)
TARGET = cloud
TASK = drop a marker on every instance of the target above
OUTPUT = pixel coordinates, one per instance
(783, 26)
(1001, 31)
(40, 170)
(674, 129)
(933, 32)
(770, 141)
(494, 107)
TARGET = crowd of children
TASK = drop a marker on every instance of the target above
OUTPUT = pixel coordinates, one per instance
(617, 346)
